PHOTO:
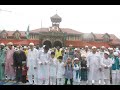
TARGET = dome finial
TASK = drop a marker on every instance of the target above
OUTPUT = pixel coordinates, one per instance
(56, 11)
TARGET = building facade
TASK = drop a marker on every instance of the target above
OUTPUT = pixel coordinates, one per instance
(57, 36)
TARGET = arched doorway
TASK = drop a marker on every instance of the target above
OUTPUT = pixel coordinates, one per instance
(57, 43)
(47, 43)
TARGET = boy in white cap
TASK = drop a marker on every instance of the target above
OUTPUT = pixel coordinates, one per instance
(32, 64)
(9, 67)
(94, 67)
(106, 64)
(53, 69)
(76, 72)
(2, 61)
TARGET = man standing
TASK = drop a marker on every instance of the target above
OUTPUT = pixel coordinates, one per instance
(18, 56)
(43, 66)
(32, 64)
(9, 68)
(2, 61)
(58, 52)
(93, 65)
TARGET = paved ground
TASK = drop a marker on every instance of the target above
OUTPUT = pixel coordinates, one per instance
(11, 83)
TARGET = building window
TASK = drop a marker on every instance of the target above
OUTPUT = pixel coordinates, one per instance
(4, 35)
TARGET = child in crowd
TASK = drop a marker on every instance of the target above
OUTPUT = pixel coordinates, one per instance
(76, 72)
(60, 71)
(83, 70)
(68, 71)
(53, 69)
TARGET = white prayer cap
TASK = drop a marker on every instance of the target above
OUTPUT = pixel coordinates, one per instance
(117, 48)
(31, 44)
(107, 52)
(25, 46)
(103, 47)
(70, 45)
(116, 53)
(76, 59)
(2, 44)
(44, 46)
(110, 48)
(86, 46)
(83, 55)
(10, 43)
(93, 47)
(75, 49)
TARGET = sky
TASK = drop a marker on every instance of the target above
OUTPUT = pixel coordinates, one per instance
(83, 18)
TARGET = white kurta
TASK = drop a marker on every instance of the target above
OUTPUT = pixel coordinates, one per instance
(32, 61)
(106, 72)
(60, 70)
(74, 74)
(53, 67)
(93, 62)
(43, 70)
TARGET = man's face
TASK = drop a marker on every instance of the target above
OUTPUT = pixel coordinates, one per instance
(106, 55)
(31, 46)
(58, 47)
(102, 49)
(52, 55)
(9, 46)
(45, 50)
(94, 50)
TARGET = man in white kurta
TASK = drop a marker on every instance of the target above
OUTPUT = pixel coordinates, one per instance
(102, 50)
(93, 65)
(106, 64)
(53, 69)
(43, 66)
(32, 64)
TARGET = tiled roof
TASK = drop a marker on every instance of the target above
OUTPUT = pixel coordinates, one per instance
(67, 30)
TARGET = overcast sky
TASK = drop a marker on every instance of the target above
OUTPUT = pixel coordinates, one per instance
(83, 18)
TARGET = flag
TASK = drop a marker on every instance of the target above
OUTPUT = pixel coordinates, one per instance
(27, 33)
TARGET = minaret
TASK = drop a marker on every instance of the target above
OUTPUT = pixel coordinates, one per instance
(56, 19)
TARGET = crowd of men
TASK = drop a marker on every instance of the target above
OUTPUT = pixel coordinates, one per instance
(36, 65)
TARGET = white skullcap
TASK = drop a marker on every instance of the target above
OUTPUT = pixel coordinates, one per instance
(25, 46)
(93, 47)
(110, 48)
(103, 47)
(32, 44)
(83, 55)
(75, 49)
(116, 53)
(44, 46)
(117, 49)
(76, 59)
(70, 45)
(86, 46)
(10, 43)
(107, 52)
(2, 44)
